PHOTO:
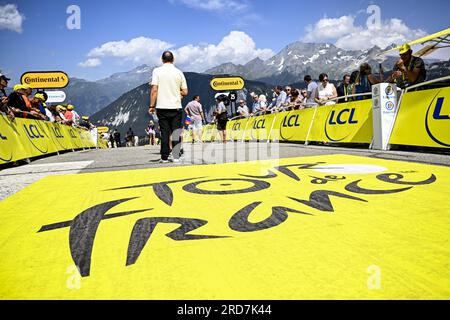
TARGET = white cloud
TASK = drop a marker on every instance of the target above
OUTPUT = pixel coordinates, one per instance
(139, 50)
(236, 47)
(11, 18)
(329, 28)
(351, 37)
(214, 5)
(90, 63)
(391, 31)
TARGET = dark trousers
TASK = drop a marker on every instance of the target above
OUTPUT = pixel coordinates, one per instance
(170, 125)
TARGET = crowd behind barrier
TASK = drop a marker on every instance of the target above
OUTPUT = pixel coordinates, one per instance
(421, 121)
(28, 138)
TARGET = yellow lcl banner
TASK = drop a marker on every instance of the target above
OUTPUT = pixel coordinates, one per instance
(45, 79)
(423, 119)
(344, 123)
(25, 138)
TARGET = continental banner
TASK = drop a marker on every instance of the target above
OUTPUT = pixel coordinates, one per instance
(423, 119)
(25, 138)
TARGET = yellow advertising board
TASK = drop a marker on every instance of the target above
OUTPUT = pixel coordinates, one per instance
(45, 79)
(227, 83)
(25, 138)
(423, 119)
(349, 122)
(293, 125)
(326, 227)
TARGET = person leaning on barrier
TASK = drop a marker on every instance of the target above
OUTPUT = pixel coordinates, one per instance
(326, 91)
(75, 116)
(243, 109)
(312, 90)
(409, 70)
(38, 103)
(345, 89)
(4, 108)
(20, 104)
(365, 80)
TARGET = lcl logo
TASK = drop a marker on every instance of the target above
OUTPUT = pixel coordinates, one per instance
(292, 121)
(72, 134)
(437, 125)
(260, 124)
(33, 131)
(339, 118)
(57, 133)
(236, 126)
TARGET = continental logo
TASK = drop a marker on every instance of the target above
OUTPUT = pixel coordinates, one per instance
(437, 120)
(36, 134)
(337, 121)
(45, 79)
(224, 84)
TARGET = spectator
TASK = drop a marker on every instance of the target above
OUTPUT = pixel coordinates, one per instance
(111, 139)
(311, 90)
(255, 103)
(117, 138)
(169, 86)
(243, 109)
(281, 98)
(129, 138)
(296, 100)
(61, 110)
(304, 98)
(195, 111)
(21, 105)
(4, 108)
(261, 104)
(150, 131)
(85, 123)
(68, 115)
(345, 89)
(75, 116)
(288, 91)
(365, 81)
(326, 91)
(221, 116)
(37, 103)
(409, 70)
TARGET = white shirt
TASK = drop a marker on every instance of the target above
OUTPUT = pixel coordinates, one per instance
(326, 92)
(170, 81)
(312, 88)
(243, 111)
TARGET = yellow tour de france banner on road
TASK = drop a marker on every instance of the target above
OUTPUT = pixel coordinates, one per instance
(325, 227)
(344, 123)
(424, 119)
(25, 138)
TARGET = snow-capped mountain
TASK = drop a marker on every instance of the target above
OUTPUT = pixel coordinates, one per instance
(298, 59)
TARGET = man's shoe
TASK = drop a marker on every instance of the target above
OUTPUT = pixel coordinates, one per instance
(163, 161)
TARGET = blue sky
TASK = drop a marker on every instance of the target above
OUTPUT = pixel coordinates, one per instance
(119, 35)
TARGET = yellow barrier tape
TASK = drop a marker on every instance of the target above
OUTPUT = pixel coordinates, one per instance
(328, 227)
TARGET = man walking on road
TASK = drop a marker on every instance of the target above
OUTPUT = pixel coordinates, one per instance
(168, 87)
